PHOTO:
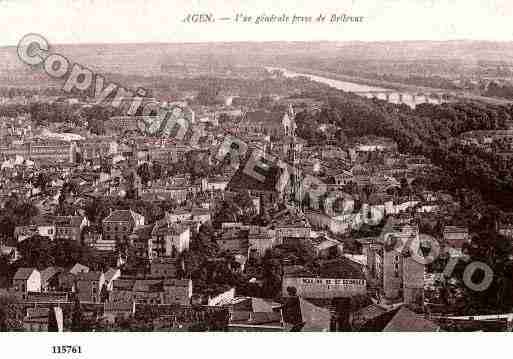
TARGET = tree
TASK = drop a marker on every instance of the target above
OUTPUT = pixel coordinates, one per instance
(104, 293)
(77, 316)
(52, 321)
(37, 251)
(144, 172)
(10, 314)
(41, 181)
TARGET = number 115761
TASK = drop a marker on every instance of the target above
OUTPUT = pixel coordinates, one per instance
(66, 349)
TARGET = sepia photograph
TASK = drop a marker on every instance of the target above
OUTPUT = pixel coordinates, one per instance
(230, 166)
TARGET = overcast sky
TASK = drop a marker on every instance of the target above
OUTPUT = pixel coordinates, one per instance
(92, 21)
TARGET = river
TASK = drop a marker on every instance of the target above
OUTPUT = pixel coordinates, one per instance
(393, 97)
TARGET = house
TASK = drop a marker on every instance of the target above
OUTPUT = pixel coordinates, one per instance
(394, 266)
(179, 215)
(122, 290)
(89, 285)
(69, 227)
(10, 253)
(290, 227)
(110, 276)
(164, 267)
(303, 315)
(234, 241)
(177, 291)
(252, 304)
(36, 319)
(120, 224)
(274, 124)
(94, 238)
(505, 225)
(243, 181)
(169, 239)
(365, 314)
(325, 247)
(27, 280)
(201, 215)
(454, 238)
(336, 278)
(115, 311)
(401, 319)
(141, 241)
(79, 268)
(50, 279)
(247, 321)
(259, 241)
(40, 226)
(66, 281)
(53, 227)
(149, 291)
(214, 184)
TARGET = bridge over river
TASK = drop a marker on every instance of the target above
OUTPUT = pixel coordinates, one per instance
(409, 95)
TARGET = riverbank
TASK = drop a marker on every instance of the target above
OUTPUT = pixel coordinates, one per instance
(463, 95)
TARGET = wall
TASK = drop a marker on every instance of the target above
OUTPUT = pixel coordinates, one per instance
(324, 287)
(34, 282)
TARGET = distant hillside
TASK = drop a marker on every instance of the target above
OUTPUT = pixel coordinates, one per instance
(148, 58)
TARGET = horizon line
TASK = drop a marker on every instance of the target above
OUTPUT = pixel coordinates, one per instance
(265, 42)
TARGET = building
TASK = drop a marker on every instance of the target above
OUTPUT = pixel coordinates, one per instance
(201, 215)
(89, 285)
(118, 125)
(164, 267)
(259, 241)
(179, 215)
(27, 280)
(36, 320)
(96, 148)
(256, 321)
(53, 227)
(270, 188)
(41, 150)
(141, 241)
(69, 227)
(274, 124)
(505, 225)
(305, 316)
(110, 276)
(394, 267)
(78, 268)
(10, 253)
(115, 311)
(234, 241)
(401, 319)
(177, 291)
(50, 279)
(336, 278)
(169, 239)
(289, 227)
(120, 224)
(42, 226)
(94, 238)
(454, 238)
(152, 291)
